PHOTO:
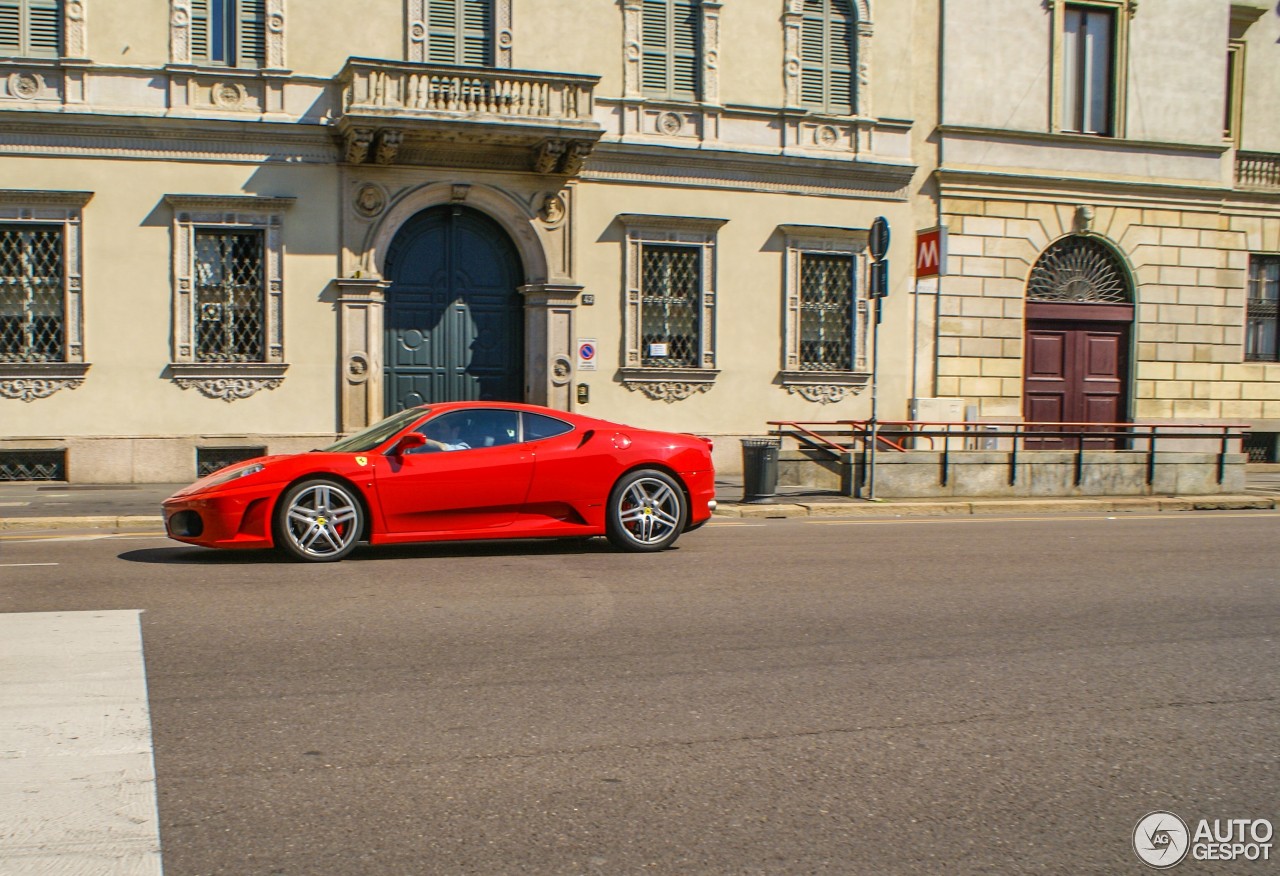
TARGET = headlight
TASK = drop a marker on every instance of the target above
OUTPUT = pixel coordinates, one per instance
(218, 480)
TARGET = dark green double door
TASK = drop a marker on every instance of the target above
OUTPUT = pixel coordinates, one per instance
(454, 318)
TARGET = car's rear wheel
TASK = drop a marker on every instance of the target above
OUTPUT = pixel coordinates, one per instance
(647, 512)
(318, 521)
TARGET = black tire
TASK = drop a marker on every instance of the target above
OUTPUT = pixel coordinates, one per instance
(647, 511)
(318, 521)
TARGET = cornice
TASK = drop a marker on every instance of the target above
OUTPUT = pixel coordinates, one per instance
(675, 223)
(744, 171)
(255, 203)
(32, 197)
(1035, 187)
(1046, 138)
(164, 138)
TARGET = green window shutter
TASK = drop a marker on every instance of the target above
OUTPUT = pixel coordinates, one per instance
(199, 30)
(654, 39)
(672, 48)
(251, 33)
(10, 27)
(477, 33)
(460, 32)
(827, 36)
(686, 47)
(442, 32)
(44, 28)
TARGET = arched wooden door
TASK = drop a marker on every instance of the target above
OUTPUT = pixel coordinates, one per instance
(1079, 322)
(454, 318)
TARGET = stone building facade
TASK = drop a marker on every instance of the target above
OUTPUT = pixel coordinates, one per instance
(235, 226)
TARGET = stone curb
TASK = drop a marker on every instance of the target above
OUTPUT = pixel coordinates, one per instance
(908, 508)
(116, 523)
(893, 508)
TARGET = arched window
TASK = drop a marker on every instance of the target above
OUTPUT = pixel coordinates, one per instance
(1079, 269)
(671, 46)
(828, 33)
(460, 32)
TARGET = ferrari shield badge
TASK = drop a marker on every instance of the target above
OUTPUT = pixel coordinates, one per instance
(362, 460)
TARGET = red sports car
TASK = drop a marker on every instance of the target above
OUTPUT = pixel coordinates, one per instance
(462, 470)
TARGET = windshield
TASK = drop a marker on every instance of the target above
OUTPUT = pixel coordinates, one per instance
(377, 433)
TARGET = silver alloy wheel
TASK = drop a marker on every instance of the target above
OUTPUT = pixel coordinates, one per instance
(649, 510)
(322, 521)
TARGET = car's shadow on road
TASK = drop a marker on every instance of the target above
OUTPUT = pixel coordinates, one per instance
(198, 556)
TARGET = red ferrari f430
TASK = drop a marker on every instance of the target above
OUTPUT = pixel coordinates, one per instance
(462, 470)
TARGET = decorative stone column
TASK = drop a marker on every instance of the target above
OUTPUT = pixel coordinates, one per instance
(549, 338)
(360, 336)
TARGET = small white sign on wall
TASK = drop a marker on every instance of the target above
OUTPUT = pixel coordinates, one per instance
(658, 351)
(587, 354)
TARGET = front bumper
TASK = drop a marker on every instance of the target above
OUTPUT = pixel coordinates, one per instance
(230, 519)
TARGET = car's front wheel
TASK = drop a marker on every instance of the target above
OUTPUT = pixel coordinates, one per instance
(647, 512)
(318, 521)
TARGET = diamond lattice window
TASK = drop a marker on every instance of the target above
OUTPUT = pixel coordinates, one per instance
(32, 296)
(230, 300)
(826, 312)
(670, 278)
(1079, 269)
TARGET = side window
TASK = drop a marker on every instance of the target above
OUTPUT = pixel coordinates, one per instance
(470, 430)
(537, 427)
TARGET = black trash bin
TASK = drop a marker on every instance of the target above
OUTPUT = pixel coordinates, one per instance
(759, 469)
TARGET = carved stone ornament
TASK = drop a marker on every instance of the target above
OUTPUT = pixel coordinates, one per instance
(228, 95)
(668, 391)
(561, 371)
(823, 393)
(228, 388)
(358, 142)
(388, 145)
(574, 157)
(826, 136)
(358, 368)
(670, 124)
(552, 210)
(547, 155)
(24, 86)
(29, 389)
(371, 200)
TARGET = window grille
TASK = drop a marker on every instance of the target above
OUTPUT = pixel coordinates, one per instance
(826, 312)
(1079, 269)
(460, 32)
(229, 296)
(228, 32)
(672, 48)
(211, 459)
(33, 465)
(1263, 309)
(32, 299)
(827, 32)
(670, 299)
(1261, 446)
(30, 28)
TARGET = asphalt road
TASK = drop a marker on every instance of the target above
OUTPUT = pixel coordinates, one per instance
(783, 696)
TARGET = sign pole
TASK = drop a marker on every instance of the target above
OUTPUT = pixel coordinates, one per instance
(878, 244)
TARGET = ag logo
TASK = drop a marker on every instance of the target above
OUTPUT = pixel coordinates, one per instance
(1161, 839)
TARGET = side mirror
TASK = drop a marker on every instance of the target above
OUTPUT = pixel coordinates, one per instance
(409, 442)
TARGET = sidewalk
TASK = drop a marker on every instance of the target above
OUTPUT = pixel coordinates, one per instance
(32, 506)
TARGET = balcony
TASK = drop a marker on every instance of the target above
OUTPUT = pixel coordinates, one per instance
(1258, 170)
(479, 117)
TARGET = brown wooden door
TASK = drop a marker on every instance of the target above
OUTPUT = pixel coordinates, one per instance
(1076, 371)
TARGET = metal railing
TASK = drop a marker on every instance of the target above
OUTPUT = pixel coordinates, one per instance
(865, 437)
(1258, 170)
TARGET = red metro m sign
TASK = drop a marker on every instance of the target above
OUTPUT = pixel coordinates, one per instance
(931, 252)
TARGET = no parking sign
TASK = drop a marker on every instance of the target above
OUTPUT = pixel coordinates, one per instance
(586, 354)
